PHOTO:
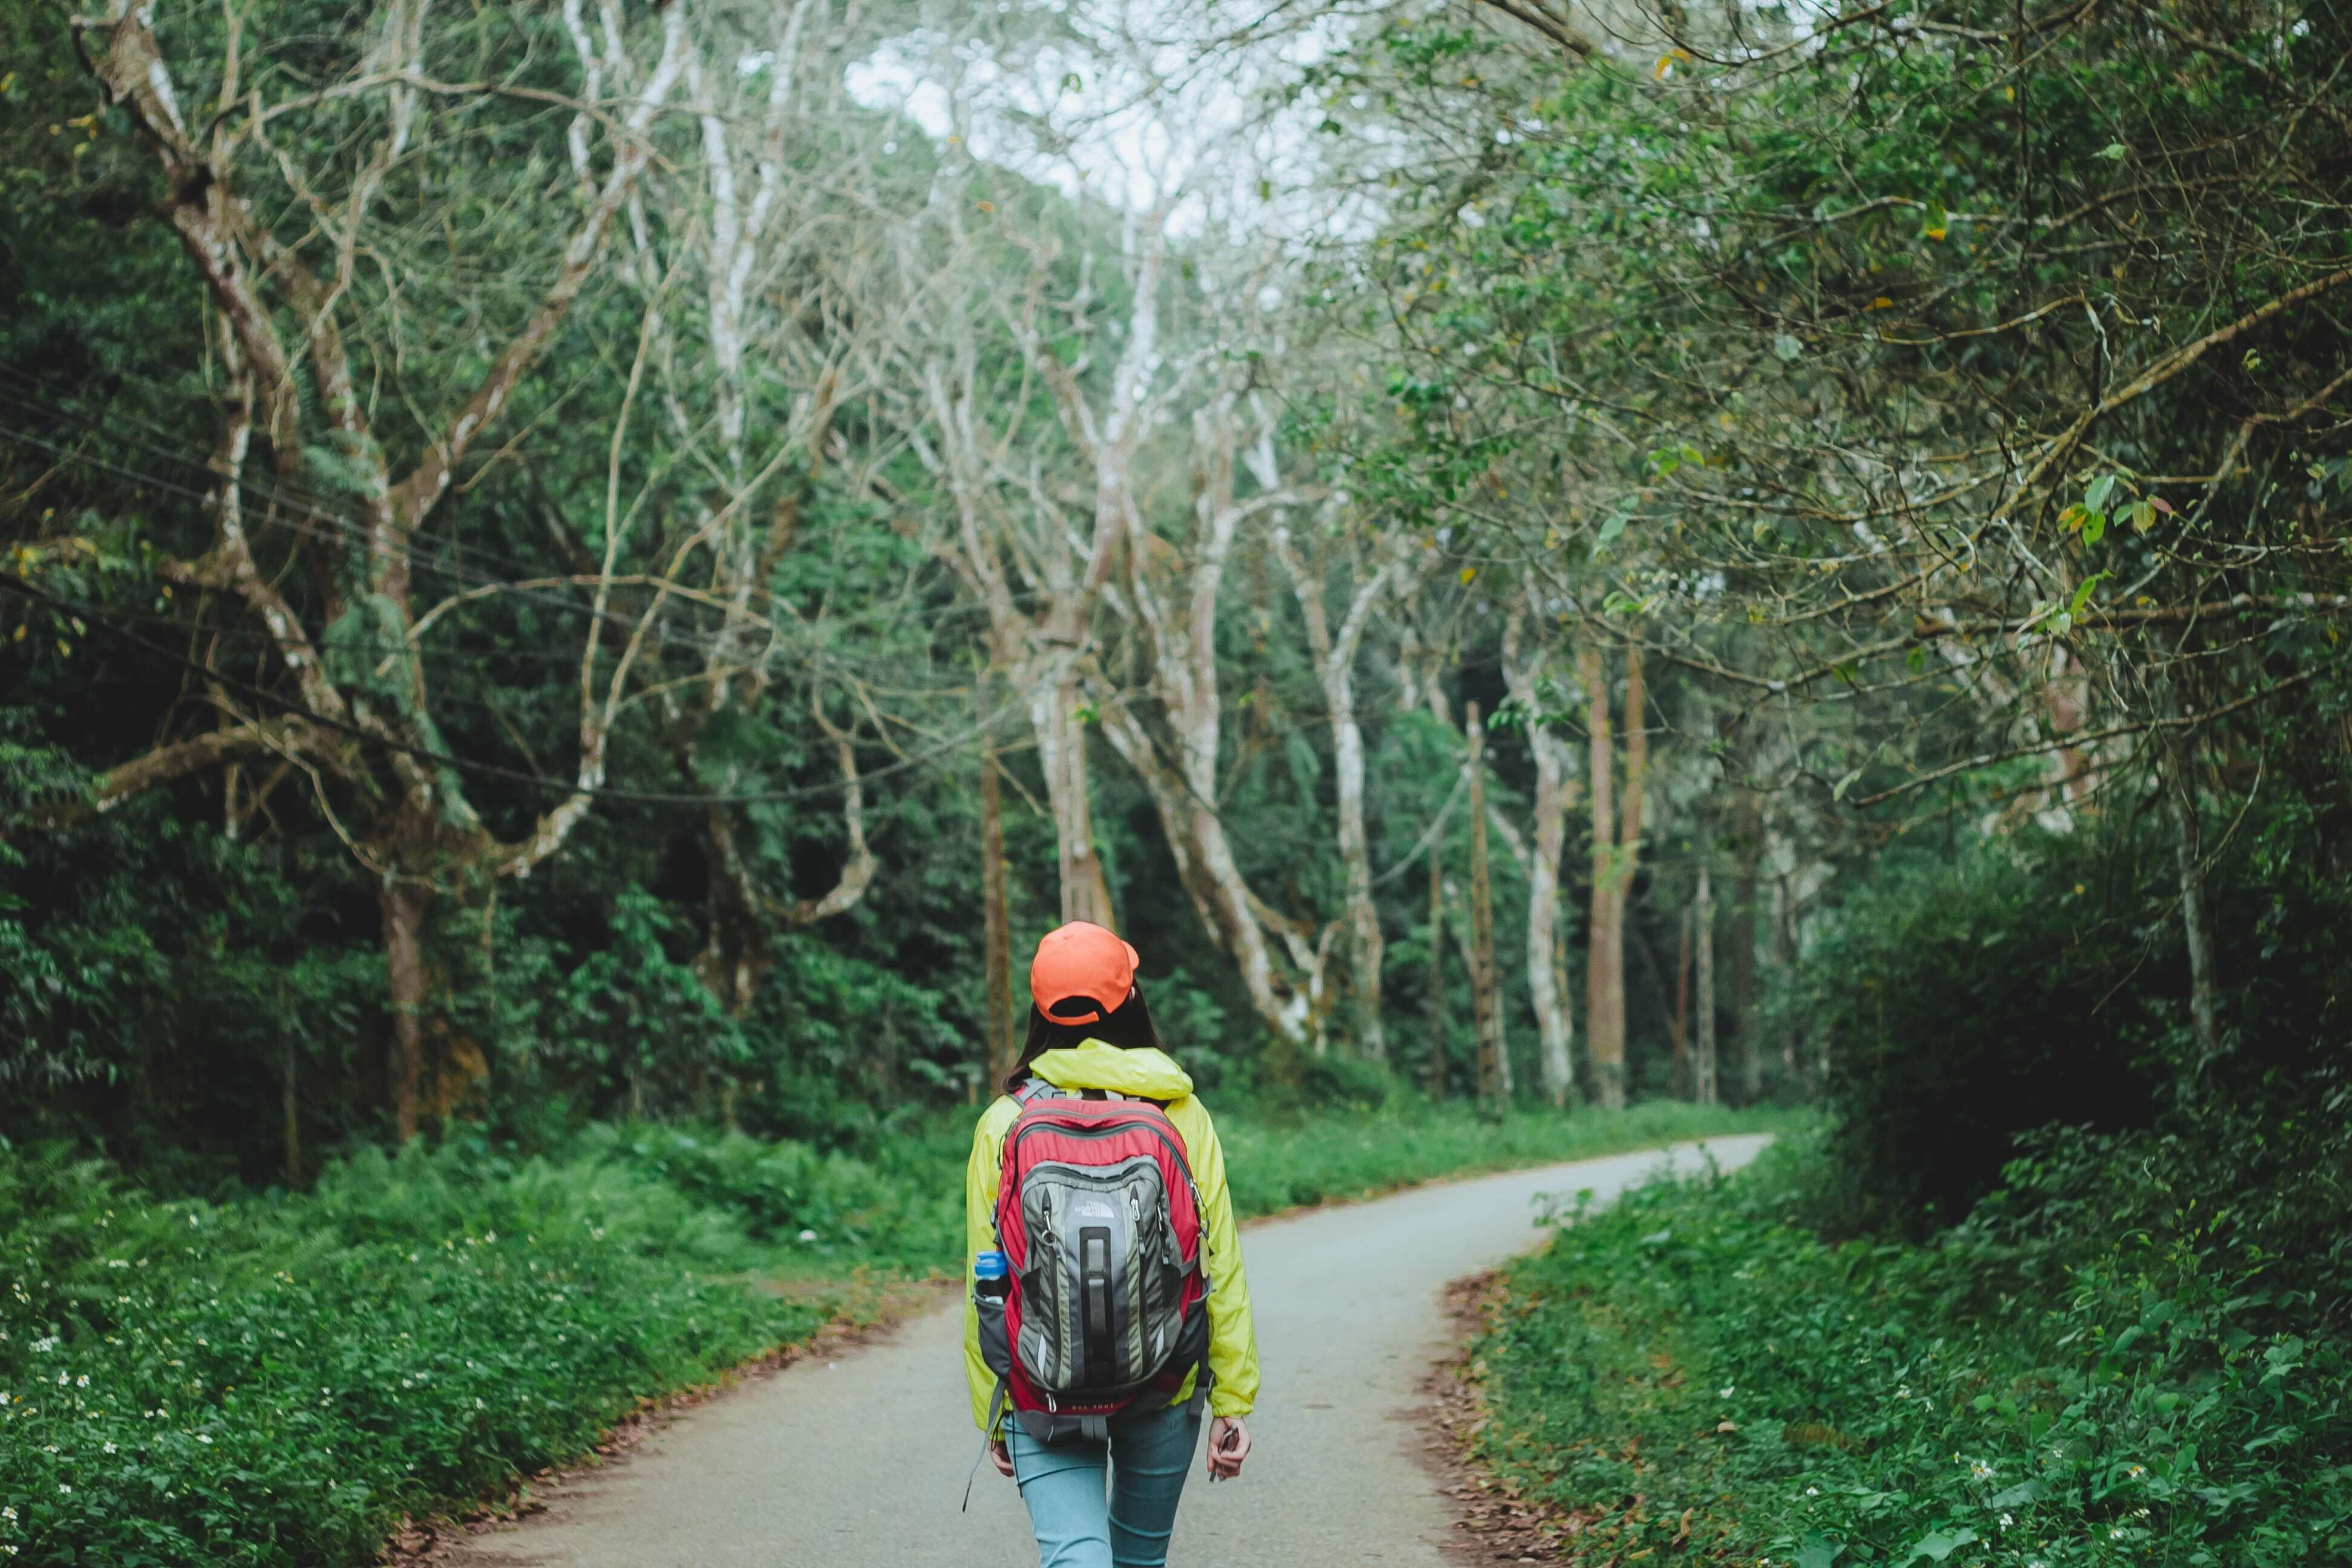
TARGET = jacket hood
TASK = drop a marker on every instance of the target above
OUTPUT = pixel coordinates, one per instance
(1096, 1064)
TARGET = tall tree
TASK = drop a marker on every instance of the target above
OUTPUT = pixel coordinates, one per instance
(1394, 567)
(1486, 983)
(764, 294)
(1527, 667)
(1186, 680)
(275, 196)
(1035, 547)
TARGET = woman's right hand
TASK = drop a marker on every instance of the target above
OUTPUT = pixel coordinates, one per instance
(1229, 1448)
(999, 1456)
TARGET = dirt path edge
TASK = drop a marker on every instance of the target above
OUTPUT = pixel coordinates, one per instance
(1493, 1523)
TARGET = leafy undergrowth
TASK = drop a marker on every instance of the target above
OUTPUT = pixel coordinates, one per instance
(1692, 1375)
(277, 1380)
(900, 1207)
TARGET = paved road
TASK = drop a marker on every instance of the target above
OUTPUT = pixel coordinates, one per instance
(860, 1463)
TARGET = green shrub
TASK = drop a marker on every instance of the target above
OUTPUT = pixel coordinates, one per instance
(2043, 979)
(902, 1207)
(276, 1382)
(1959, 1003)
(1697, 1375)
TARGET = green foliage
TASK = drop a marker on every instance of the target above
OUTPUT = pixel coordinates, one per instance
(1698, 1375)
(630, 1008)
(1958, 1002)
(167, 934)
(902, 1209)
(900, 1203)
(277, 1381)
(2042, 979)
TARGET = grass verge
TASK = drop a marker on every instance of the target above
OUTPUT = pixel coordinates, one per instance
(279, 1381)
(1691, 1375)
(1329, 1156)
(280, 1378)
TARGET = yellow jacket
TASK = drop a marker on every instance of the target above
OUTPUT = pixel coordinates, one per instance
(1233, 1341)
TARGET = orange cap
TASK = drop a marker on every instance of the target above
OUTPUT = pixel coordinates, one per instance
(1082, 960)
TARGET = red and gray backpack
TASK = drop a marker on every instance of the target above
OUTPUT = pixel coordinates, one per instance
(1100, 1225)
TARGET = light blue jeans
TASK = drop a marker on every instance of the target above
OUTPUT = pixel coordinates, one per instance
(1081, 1522)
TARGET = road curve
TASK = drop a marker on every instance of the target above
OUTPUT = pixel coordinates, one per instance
(860, 1462)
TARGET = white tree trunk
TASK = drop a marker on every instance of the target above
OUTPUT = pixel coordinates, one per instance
(1545, 981)
(1554, 758)
(1177, 614)
(1206, 865)
(1335, 659)
(1061, 752)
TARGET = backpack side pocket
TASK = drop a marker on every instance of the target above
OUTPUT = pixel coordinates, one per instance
(995, 1347)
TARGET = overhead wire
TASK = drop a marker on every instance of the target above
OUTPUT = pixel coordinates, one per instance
(376, 648)
(266, 485)
(309, 514)
(271, 489)
(544, 782)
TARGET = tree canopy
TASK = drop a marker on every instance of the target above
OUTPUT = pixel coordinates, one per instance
(1465, 531)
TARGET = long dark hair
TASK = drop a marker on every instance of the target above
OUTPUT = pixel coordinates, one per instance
(1127, 1025)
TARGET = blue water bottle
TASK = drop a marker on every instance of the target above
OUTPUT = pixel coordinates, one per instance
(991, 1276)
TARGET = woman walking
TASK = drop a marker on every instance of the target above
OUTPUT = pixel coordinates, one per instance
(1108, 1303)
